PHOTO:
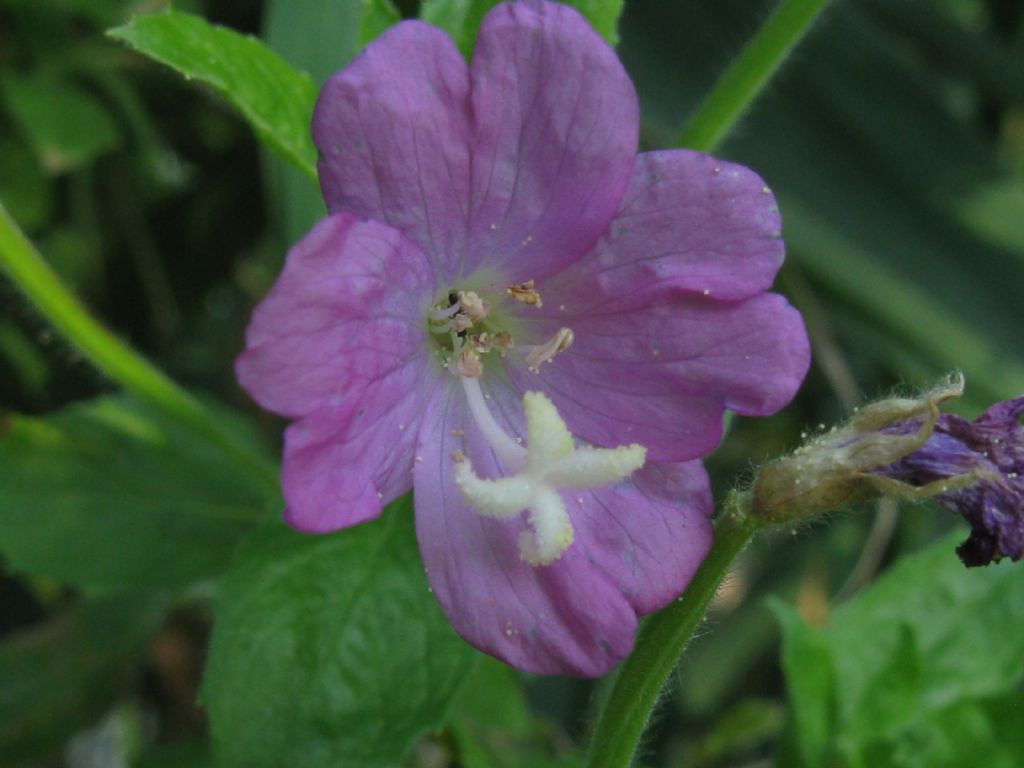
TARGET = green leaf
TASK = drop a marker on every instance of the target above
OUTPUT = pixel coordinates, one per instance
(739, 731)
(493, 696)
(603, 15)
(322, 39)
(180, 754)
(276, 99)
(491, 724)
(810, 682)
(995, 211)
(891, 697)
(64, 123)
(108, 495)
(76, 255)
(377, 16)
(63, 675)
(319, 38)
(461, 18)
(984, 732)
(29, 364)
(24, 186)
(926, 637)
(953, 612)
(330, 650)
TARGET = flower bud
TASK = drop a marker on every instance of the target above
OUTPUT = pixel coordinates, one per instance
(906, 449)
(838, 467)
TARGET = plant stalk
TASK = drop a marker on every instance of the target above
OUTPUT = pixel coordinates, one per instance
(747, 76)
(659, 644)
(115, 359)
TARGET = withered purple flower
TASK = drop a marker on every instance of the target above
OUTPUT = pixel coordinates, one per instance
(511, 312)
(989, 451)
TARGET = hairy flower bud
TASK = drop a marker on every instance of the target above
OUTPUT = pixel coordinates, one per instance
(906, 449)
(838, 467)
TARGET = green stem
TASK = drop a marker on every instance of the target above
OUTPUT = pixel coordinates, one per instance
(659, 644)
(737, 88)
(119, 362)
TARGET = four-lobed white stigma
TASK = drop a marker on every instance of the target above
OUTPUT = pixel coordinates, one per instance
(552, 463)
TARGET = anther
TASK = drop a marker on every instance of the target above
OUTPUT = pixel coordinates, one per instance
(542, 353)
(461, 323)
(502, 341)
(472, 305)
(525, 293)
(468, 363)
(481, 342)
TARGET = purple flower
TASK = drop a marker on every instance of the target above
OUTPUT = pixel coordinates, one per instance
(987, 457)
(537, 330)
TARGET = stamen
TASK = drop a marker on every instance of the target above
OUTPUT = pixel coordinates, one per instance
(525, 293)
(503, 342)
(461, 322)
(473, 305)
(542, 353)
(481, 342)
(468, 363)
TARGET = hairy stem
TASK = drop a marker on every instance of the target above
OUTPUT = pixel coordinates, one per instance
(659, 644)
(662, 638)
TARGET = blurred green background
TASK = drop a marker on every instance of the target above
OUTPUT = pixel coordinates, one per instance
(893, 138)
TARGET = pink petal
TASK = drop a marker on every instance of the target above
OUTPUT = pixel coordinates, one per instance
(520, 169)
(650, 535)
(565, 618)
(340, 343)
(637, 546)
(347, 308)
(556, 121)
(689, 224)
(663, 374)
(343, 464)
(393, 134)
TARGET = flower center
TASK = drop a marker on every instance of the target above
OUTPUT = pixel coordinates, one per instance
(470, 329)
